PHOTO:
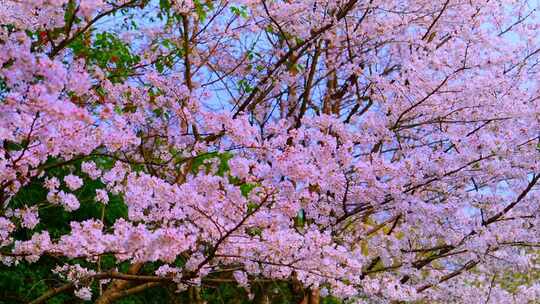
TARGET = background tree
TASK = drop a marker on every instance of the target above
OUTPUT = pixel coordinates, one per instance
(268, 151)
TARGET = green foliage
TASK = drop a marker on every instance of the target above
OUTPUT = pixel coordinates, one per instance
(245, 86)
(202, 9)
(200, 161)
(241, 11)
(157, 295)
(69, 16)
(246, 188)
(165, 5)
(3, 88)
(170, 57)
(300, 219)
(108, 52)
(24, 282)
(512, 280)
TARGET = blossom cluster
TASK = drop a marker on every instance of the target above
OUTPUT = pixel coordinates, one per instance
(367, 149)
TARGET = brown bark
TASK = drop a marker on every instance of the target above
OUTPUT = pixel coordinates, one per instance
(331, 85)
(314, 296)
(195, 295)
(118, 285)
(53, 292)
(108, 298)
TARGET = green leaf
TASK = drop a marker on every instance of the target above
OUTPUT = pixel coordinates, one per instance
(241, 11)
(199, 10)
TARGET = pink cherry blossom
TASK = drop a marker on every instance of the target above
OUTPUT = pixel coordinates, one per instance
(68, 200)
(102, 196)
(91, 169)
(84, 293)
(378, 150)
(73, 182)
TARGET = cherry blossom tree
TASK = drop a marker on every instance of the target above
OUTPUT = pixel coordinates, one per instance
(371, 150)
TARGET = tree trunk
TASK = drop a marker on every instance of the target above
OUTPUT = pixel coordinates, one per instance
(314, 296)
(117, 285)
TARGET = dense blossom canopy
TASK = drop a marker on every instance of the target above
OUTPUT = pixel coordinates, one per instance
(375, 150)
